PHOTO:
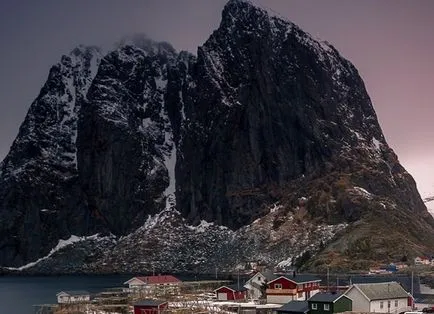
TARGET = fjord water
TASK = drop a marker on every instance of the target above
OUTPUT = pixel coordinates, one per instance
(18, 294)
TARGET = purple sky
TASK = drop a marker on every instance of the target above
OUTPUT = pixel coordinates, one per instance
(391, 42)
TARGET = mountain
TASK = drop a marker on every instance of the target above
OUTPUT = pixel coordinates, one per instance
(264, 146)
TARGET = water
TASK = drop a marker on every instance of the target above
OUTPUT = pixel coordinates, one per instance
(19, 294)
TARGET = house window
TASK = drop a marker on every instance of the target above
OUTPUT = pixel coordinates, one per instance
(277, 286)
(396, 303)
(388, 304)
(381, 304)
(300, 294)
(314, 306)
(326, 307)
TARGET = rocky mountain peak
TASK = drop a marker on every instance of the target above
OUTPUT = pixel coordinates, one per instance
(148, 45)
(266, 130)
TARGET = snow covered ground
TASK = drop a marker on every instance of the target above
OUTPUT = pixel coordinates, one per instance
(60, 245)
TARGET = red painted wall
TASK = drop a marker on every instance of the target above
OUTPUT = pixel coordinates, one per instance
(232, 295)
(286, 284)
(140, 309)
(410, 301)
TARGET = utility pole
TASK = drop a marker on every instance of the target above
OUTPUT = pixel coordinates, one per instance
(412, 291)
(238, 280)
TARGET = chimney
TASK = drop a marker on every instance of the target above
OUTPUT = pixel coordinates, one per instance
(293, 274)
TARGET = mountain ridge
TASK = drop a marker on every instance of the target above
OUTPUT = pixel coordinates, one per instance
(265, 130)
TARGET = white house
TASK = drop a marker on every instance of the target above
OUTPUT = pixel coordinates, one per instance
(422, 260)
(385, 297)
(73, 296)
(257, 284)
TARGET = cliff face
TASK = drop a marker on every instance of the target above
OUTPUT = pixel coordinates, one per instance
(266, 130)
(39, 192)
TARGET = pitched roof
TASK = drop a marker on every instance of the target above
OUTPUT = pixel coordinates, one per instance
(74, 292)
(149, 302)
(233, 287)
(405, 281)
(295, 306)
(268, 275)
(380, 291)
(153, 280)
(298, 278)
(326, 297)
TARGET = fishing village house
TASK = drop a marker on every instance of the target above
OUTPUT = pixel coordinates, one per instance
(326, 303)
(424, 260)
(161, 284)
(257, 284)
(295, 287)
(77, 296)
(385, 297)
(424, 302)
(149, 306)
(235, 292)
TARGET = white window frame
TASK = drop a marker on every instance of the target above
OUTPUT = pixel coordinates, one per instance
(396, 303)
(314, 306)
(326, 307)
(381, 304)
(277, 286)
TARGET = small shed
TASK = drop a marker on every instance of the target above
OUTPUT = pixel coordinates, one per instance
(231, 292)
(76, 296)
(149, 306)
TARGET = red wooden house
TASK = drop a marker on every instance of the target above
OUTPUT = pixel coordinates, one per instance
(287, 288)
(149, 306)
(231, 292)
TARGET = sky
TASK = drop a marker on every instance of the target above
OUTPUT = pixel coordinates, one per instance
(391, 43)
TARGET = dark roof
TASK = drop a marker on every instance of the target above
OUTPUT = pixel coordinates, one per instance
(295, 307)
(149, 302)
(298, 278)
(424, 298)
(75, 292)
(235, 287)
(325, 297)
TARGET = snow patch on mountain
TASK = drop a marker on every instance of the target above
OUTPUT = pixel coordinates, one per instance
(429, 202)
(62, 244)
(357, 190)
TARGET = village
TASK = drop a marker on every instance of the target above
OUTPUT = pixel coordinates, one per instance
(385, 289)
